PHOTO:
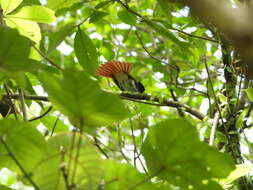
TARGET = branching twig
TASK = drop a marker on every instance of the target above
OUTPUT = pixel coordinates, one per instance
(141, 98)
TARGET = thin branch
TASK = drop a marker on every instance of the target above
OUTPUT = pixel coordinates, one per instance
(42, 115)
(64, 172)
(213, 129)
(157, 101)
(130, 10)
(214, 96)
(119, 144)
(22, 104)
(141, 98)
(77, 152)
(46, 58)
(153, 57)
(18, 164)
(195, 36)
(55, 124)
(28, 97)
(100, 148)
(9, 97)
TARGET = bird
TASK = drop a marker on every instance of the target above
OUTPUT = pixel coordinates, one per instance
(120, 74)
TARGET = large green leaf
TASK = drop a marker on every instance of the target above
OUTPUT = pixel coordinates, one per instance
(14, 50)
(96, 16)
(26, 28)
(86, 52)
(59, 4)
(125, 176)
(4, 188)
(127, 17)
(62, 152)
(57, 37)
(24, 142)
(174, 146)
(249, 92)
(34, 13)
(9, 5)
(160, 29)
(241, 170)
(165, 7)
(81, 99)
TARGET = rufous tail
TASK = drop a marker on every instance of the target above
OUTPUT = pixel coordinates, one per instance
(111, 68)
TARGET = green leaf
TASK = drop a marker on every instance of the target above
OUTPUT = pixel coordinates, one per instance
(9, 5)
(165, 8)
(14, 50)
(51, 122)
(26, 28)
(59, 4)
(249, 92)
(125, 176)
(25, 143)
(127, 17)
(102, 4)
(166, 33)
(79, 97)
(174, 146)
(31, 13)
(2, 187)
(60, 35)
(86, 52)
(241, 170)
(96, 16)
(62, 153)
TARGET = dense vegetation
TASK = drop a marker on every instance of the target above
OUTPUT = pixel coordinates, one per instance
(63, 127)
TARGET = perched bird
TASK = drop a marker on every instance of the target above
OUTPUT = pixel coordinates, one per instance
(119, 72)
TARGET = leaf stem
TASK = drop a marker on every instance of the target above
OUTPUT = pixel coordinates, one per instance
(18, 163)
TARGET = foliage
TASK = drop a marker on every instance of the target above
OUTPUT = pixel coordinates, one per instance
(63, 127)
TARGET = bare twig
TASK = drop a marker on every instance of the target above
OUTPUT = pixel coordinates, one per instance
(55, 124)
(22, 104)
(153, 57)
(64, 172)
(195, 36)
(100, 148)
(42, 115)
(157, 101)
(141, 98)
(213, 129)
(120, 146)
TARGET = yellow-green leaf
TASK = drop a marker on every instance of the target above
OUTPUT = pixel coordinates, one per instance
(26, 28)
(59, 4)
(241, 170)
(45, 15)
(9, 5)
(249, 92)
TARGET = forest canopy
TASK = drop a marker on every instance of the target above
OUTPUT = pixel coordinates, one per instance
(126, 94)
